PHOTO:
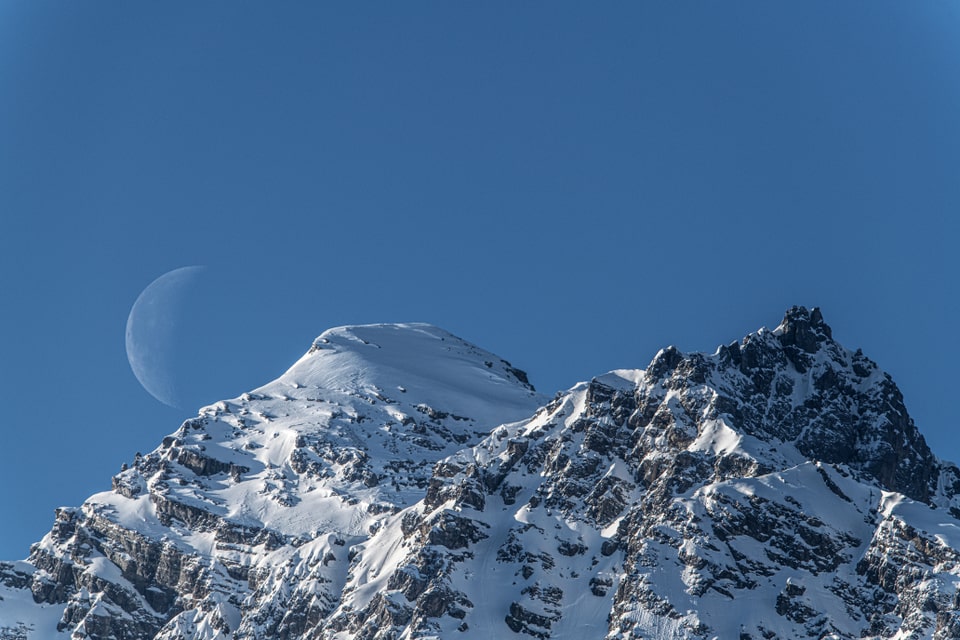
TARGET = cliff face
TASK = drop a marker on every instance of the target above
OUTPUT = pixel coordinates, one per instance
(380, 489)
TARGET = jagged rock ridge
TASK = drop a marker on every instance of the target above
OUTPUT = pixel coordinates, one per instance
(774, 489)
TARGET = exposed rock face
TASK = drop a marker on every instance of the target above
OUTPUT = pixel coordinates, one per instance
(774, 489)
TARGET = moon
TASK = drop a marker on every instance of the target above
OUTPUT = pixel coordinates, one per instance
(153, 328)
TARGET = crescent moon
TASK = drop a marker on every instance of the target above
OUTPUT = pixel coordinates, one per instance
(151, 335)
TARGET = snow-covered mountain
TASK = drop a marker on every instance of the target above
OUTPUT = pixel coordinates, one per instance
(398, 482)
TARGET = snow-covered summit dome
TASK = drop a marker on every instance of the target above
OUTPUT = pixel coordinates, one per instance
(418, 359)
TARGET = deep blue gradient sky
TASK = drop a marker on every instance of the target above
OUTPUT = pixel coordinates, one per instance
(569, 186)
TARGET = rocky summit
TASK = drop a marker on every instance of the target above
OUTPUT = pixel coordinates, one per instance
(398, 482)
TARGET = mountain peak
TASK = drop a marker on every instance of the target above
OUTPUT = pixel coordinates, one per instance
(804, 329)
(398, 481)
(362, 333)
(433, 364)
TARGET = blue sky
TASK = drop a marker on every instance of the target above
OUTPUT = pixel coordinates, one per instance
(570, 186)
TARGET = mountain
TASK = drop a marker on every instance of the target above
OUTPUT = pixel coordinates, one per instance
(398, 482)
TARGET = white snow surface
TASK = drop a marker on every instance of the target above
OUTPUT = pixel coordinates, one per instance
(432, 365)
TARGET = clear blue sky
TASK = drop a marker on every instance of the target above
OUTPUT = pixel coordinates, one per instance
(570, 186)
